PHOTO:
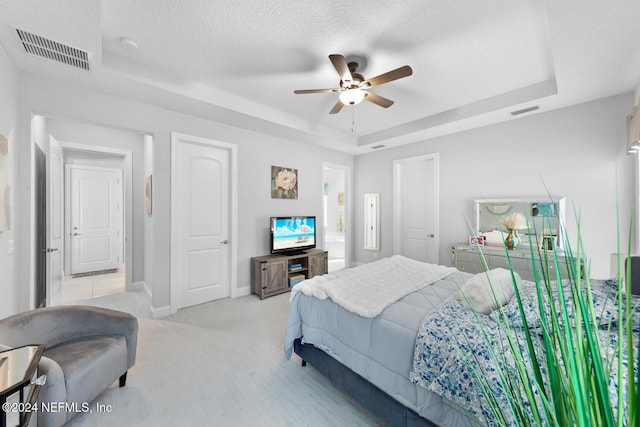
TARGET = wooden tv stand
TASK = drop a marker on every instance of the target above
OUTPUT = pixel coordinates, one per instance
(273, 274)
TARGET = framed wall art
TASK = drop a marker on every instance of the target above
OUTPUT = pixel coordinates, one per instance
(5, 184)
(284, 183)
(148, 192)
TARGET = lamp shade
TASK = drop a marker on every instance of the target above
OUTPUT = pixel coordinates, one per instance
(352, 96)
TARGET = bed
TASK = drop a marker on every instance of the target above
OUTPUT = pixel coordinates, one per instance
(371, 358)
(396, 354)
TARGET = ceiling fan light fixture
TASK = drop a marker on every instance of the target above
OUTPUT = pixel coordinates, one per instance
(352, 96)
(352, 85)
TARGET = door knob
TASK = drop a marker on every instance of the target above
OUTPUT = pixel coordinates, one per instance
(224, 242)
(77, 234)
(49, 250)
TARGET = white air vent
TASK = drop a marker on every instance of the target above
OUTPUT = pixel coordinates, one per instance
(53, 51)
(525, 110)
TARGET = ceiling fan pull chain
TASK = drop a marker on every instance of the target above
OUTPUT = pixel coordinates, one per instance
(353, 118)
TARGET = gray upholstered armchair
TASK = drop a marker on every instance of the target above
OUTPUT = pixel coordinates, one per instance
(86, 350)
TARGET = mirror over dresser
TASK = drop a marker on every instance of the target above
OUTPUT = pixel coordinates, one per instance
(545, 217)
(543, 231)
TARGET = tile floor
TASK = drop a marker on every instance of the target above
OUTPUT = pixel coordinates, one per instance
(92, 286)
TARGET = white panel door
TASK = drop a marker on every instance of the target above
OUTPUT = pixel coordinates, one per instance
(55, 176)
(416, 208)
(201, 191)
(96, 218)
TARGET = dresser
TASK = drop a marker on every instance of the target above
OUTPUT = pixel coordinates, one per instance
(470, 259)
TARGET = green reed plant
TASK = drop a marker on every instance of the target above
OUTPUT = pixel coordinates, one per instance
(570, 368)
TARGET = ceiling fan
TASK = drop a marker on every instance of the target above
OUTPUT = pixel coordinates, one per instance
(353, 86)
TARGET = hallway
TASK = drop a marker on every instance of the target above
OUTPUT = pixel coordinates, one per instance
(92, 286)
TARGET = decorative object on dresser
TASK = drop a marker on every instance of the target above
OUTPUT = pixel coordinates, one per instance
(476, 241)
(513, 223)
(275, 274)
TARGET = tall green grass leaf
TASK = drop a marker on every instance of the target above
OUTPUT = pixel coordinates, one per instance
(566, 373)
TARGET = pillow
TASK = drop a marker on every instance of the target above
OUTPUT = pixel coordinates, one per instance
(485, 292)
(494, 237)
(511, 310)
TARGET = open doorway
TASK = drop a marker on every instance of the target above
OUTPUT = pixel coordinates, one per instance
(93, 146)
(97, 146)
(336, 202)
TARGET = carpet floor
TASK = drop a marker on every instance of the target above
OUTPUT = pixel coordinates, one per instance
(218, 364)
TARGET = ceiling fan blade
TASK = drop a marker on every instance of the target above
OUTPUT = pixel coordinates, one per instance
(336, 108)
(342, 68)
(378, 100)
(392, 75)
(302, 91)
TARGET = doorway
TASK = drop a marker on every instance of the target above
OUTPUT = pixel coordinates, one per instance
(41, 227)
(96, 218)
(203, 206)
(100, 147)
(335, 204)
(416, 208)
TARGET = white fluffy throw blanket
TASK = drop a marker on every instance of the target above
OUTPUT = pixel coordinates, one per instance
(368, 289)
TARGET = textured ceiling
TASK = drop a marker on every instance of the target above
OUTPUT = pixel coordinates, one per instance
(473, 61)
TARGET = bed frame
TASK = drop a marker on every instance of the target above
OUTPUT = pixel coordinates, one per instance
(388, 410)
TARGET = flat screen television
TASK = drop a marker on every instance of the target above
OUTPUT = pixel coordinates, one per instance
(292, 234)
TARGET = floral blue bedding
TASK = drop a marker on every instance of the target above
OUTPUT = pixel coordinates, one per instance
(451, 337)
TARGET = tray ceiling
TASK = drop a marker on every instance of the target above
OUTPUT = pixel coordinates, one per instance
(474, 62)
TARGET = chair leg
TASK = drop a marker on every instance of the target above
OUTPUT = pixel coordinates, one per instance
(123, 379)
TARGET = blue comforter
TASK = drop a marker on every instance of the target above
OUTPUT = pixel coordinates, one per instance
(380, 349)
(451, 342)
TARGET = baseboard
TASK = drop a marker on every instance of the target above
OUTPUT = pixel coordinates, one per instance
(142, 286)
(166, 310)
(159, 312)
(241, 292)
(155, 312)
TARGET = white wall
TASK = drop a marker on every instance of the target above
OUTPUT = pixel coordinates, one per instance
(8, 125)
(579, 152)
(256, 152)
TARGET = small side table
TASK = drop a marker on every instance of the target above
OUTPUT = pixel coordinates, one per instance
(17, 369)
